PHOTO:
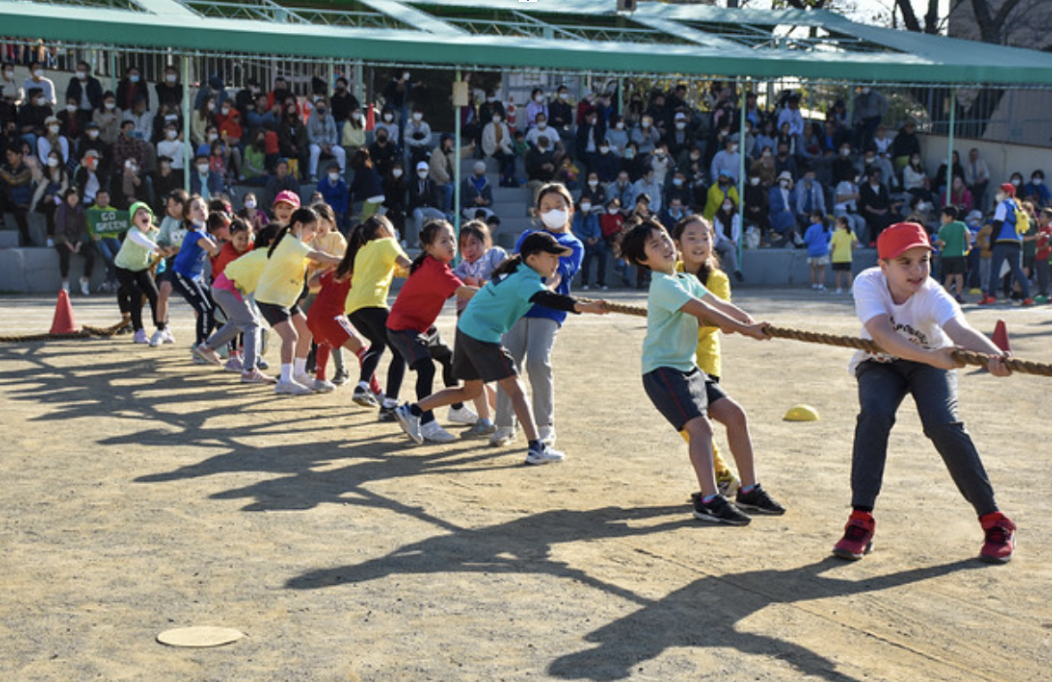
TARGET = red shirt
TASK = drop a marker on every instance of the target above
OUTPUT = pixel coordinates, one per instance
(1044, 243)
(422, 296)
(226, 254)
(332, 299)
(611, 224)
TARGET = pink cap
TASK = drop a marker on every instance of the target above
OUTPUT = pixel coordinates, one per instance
(287, 197)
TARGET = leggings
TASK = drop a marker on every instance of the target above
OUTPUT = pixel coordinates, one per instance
(197, 295)
(133, 286)
(86, 249)
(425, 371)
(372, 323)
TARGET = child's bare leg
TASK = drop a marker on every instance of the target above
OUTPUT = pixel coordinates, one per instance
(353, 344)
(513, 387)
(163, 293)
(447, 396)
(303, 334)
(732, 416)
(699, 433)
(822, 274)
(289, 340)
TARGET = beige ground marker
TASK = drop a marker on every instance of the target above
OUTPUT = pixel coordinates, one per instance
(199, 636)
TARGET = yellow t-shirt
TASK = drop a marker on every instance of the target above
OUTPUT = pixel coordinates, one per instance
(840, 245)
(374, 268)
(282, 280)
(332, 243)
(244, 271)
(708, 353)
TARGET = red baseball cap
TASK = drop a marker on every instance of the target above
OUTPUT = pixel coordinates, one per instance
(1008, 188)
(287, 197)
(900, 238)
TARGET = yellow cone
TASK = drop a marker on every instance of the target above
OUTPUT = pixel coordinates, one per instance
(801, 413)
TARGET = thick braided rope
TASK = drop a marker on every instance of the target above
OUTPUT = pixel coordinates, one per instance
(85, 332)
(966, 356)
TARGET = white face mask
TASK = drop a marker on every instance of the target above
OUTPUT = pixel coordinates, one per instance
(133, 79)
(585, 208)
(93, 134)
(212, 137)
(496, 120)
(613, 211)
(53, 129)
(754, 181)
(226, 111)
(170, 77)
(539, 99)
(604, 150)
(250, 203)
(845, 152)
(172, 134)
(82, 75)
(111, 105)
(555, 219)
(334, 177)
(678, 182)
(9, 75)
(645, 124)
(564, 95)
(202, 168)
(593, 183)
(681, 125)
(541, 125)
(388, 117)
(418, 116)
(39, 73)
(52, 162)
(211, 106)
(1036, 181)
(727, 207)
(397, 172)
(620, 125)
(71, 108)
(405, 76)
(422, 173)
(784, 184)
(734, 149)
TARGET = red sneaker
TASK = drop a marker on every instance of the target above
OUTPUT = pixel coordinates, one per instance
(988, 300)
(1027, 302)
(1000, 538)
(858, 537)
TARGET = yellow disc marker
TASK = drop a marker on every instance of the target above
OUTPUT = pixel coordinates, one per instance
(801, 413)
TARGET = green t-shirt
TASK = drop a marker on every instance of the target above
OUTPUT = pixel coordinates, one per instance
(672, 336)
(955, 238)
(497, 306)
(1030, 247)
(107, 222)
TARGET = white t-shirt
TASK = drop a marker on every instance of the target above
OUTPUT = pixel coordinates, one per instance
(919, 320)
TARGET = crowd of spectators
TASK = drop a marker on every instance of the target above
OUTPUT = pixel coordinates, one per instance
(664, 154)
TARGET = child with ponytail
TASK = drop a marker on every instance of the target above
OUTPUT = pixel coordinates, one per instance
(189, 263)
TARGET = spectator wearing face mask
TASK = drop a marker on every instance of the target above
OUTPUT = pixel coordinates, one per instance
(173, 147)
(417, 137)
(757, 206)
(440, 170)
(383, 151)
(388, 124)
(497, 143)
(476, 193)
(169, 90)
(1036, 191)
(536, 105)
(52, 139)
(32, 116)
(335, 193)
(594, 191)
(648, 185)
(617, 136)
(723, 188)
(810, 197)
(343, 102)
(782, 203)
(130, 88)
(585, 226)
(870, 108)
(539, 129)
(424, 202)
(323, 139)
(38, 80)
(86, 92)
(727, 225)
(646, 135)
(728, 160)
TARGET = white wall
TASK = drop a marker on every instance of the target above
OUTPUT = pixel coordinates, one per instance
(1003, 159)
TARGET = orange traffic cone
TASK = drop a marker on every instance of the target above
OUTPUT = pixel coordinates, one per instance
(1001, 336)
(63, 322)
(370, 118)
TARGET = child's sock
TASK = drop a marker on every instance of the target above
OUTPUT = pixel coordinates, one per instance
(746, 489)
(457, 406)
(536, 445)
(415, 410)
(485, 422)
(299, 366)
(286, 371)
(390, 402)
(705, 499)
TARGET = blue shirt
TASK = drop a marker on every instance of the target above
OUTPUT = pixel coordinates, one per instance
(568, 267)
(190, 261)
(817, 239)
(672, 335)
(499, 304)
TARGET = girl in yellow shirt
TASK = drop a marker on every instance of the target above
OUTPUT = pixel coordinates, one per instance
(694, 238)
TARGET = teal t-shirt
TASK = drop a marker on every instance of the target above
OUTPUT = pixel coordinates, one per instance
(955, 235)
(672, 336)
(500, 303)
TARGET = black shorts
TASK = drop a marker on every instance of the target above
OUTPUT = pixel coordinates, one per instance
(411, 344)
(954, 266)
(842, 267)
(276, 314)
(681, 396)
(169, 270)
(474, 360)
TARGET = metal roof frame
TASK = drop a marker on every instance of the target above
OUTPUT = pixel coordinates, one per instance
(567, 36)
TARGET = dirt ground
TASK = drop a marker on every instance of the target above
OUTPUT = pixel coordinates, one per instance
(140, 492)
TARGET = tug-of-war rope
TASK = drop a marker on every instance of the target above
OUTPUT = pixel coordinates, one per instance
(84, 332)
(964, 356)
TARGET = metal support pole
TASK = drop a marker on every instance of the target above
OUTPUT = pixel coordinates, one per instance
(949, 145)
(187, 144)
(741, 172)
(456, 169)
(113, 70)
(358, 86)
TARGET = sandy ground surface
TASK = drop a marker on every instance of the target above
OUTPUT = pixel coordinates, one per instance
(140, 492)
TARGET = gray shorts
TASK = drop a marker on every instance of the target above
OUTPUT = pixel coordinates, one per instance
(410, 344)
(681, 396)
(475, 360)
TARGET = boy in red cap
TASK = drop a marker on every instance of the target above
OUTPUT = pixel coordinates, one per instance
(919, 325)
(284, 204)
(1007, 240)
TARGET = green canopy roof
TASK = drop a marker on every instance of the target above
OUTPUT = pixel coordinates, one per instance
(565, 35)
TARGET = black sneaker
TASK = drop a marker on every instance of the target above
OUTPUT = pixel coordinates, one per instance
(387, 414)
(341, 377)
(757, 500)
(719, 510)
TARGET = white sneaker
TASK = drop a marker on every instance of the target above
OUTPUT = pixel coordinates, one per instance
(462, 415)
(322, 386)
(584, 288)
(820, 287)
(140, 337)
(158, 338)
(839, 291)
(544, 455)
(169, 337)
(409, 422)
(85, 287)
(546, 434)
(433, 432)
(65, 285)
(291, 388)
(505, 435)
(205, 353)
(304, 379)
